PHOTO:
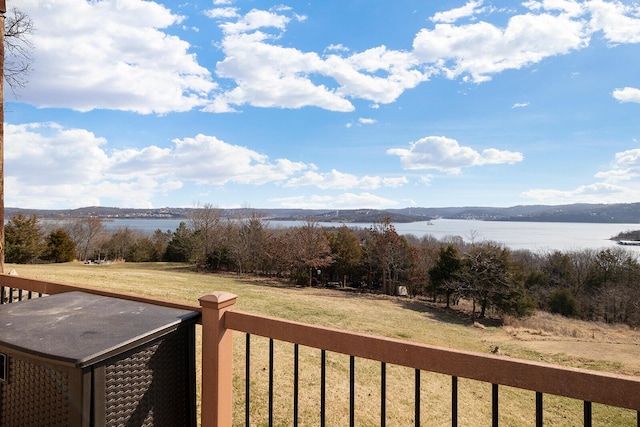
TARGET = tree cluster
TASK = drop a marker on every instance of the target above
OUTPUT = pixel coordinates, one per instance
(593, 285)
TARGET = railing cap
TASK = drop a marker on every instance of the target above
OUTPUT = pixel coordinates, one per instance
(218, 300)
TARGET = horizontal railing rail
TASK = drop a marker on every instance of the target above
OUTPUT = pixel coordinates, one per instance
(596, 387)
(580, 384)
(26, 287)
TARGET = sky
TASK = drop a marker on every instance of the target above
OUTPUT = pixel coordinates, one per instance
(330, 104)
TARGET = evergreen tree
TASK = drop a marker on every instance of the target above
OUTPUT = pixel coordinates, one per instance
(24, 239)
(563, 302)
(180, 248)
(59, 247)
(442, 275)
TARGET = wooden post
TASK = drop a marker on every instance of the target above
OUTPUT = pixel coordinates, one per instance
(3, 10)
(217, 360)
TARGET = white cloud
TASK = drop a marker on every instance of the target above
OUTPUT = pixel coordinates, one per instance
(477, 51)
(266, 74)
(593, 193)
(570, 7)
(208, 160)
(493, 156)
(39, 156)
(426, 179)
(342, 201)
(618, 184)
(362, 121)
(337, 47)
(378, 74)
(627, 94)
(271, 76)
(38, 172)
(450, 16)
(222, 12)
(336, 180)
(520, 105)
(303, 202)
(619, 22)
(363, 200)
(445, 154)
(617, 175)
(111, 54)
(255, 19)
(625, 167)
(628, 158)
(395, 182)
(36, 152)
(115, 55)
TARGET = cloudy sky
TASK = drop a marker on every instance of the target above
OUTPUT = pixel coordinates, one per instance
(326, 104)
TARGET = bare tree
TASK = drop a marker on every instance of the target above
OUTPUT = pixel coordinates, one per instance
(117, 246)
(249, 248)
(85, 233)
(309, 249)
(18, 27)
(15, 31)
(207, 225)
(347, 253)
(388, 250)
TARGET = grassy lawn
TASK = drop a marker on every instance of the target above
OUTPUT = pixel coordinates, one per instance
(541, 338)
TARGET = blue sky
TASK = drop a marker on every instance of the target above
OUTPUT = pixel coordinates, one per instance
(326, 104)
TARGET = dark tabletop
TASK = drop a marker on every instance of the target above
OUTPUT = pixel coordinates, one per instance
(79, 329)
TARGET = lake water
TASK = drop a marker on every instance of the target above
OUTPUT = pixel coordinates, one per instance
(534, 236)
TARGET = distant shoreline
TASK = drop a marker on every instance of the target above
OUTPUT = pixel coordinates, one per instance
(628, 213)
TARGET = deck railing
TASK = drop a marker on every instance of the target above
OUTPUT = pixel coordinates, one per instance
(16, 288)
(219, 321)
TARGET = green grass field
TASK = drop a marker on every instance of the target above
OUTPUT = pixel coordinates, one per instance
(541, 338)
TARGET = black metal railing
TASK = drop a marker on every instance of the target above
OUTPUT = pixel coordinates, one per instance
(495, 410)
(10, 294)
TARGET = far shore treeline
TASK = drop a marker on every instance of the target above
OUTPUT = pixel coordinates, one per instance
(596, 285)
(615, 213)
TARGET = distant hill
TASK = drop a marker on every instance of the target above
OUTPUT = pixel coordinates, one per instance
(596, 213)
(600, 213)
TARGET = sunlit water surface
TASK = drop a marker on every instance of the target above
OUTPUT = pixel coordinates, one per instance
(534, 236)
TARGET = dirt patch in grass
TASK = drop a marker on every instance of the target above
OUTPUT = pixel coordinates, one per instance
(623, 358)
(590, 344)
